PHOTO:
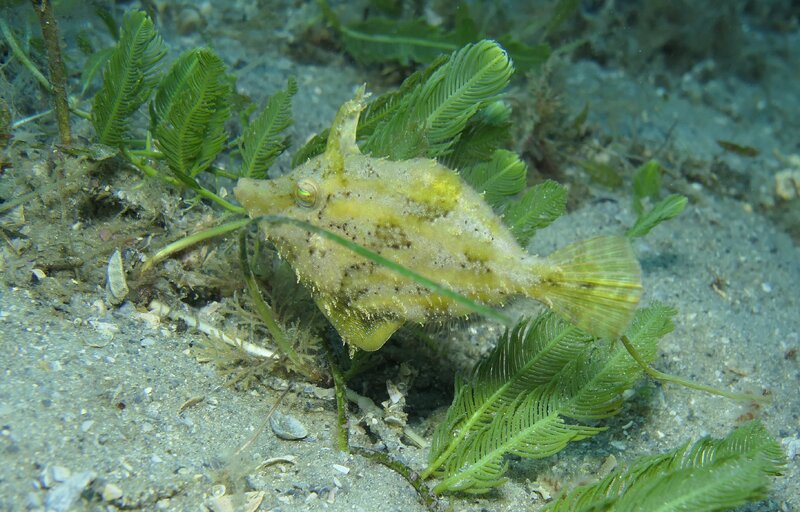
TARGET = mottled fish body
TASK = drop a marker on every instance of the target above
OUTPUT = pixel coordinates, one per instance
(423, 216)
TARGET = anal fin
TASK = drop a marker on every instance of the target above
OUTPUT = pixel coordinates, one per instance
(368, 334)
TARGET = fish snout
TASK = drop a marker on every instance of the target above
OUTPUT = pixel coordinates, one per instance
(258, 197)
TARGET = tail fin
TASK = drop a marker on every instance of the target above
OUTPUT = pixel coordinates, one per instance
(595, 283)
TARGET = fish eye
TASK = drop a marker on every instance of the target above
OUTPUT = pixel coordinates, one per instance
(306, 194)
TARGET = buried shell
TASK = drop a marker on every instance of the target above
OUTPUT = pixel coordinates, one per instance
(116, 281)
(287, 427)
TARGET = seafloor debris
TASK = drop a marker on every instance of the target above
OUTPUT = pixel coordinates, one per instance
(787, 184)
(287, 427)
(247, 502)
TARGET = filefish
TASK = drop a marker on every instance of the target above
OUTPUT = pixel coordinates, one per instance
(425, 217)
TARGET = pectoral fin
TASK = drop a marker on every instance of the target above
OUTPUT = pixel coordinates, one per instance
(366, 334)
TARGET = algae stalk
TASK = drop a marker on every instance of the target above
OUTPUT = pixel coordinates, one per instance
(666, 377)
(23, 57)
(342, 428)
(268, 316)
(58, 81)
(190, 240)
(195, 322)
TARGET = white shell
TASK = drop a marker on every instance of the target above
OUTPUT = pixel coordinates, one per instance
(287, 427)
(116, 281)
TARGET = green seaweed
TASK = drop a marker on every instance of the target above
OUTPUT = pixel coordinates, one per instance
(432, 115)
(189, 113)
(188, 109)
(414, 40)
(536, 209)
(129, 78)
(5, 125)
(647, 189)
(646, 184)
(602, 173)
(668, 208)
(534, 394)
(428, 107)
(263, 139)
(709, 475)
(502, 176)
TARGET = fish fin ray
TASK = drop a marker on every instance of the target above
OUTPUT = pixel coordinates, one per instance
(368, 334)
(594, 283)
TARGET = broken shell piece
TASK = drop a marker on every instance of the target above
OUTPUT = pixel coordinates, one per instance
(395, 395)
(287, 427)
(283, 459)
(116, 282)
(394, 421)
(15, 218)
(787, 184)
(247, 502)
(341, 469)
(111, 492)
(190, 403)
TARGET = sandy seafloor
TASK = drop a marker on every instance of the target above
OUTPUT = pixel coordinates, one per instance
(68, 366)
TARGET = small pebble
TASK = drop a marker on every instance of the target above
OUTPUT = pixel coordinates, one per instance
(284, 459)
(33, 501)
(189, 21)
(64, 496)
(619, 445)
(791, 447)
(111, 492)
(53, 475)
(324, 393)
(787, 184)
(106, 329)
(341, 469)
(287, 427)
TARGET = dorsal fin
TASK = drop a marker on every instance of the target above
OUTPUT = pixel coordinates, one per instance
(342, 137)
